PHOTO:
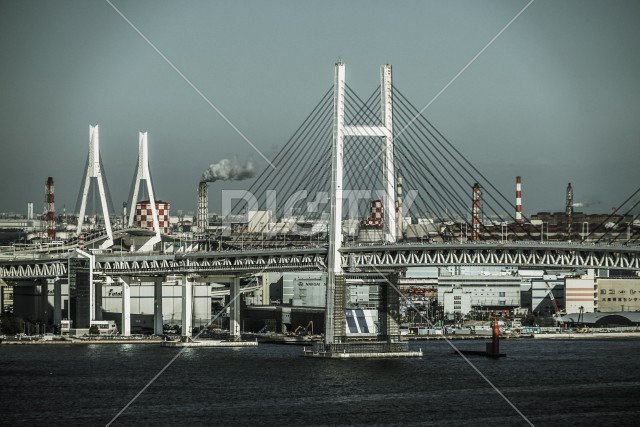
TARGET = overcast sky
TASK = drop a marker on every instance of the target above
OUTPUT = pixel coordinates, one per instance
(555, 99)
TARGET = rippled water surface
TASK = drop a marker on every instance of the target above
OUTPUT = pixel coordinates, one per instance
(552, 382)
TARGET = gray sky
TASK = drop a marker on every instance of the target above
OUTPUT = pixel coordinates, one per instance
(555, 99)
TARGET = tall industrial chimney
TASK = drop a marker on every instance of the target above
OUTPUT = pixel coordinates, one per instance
(203, 207)
(475, 213)
(50, 216)
(569, 210)
(518, 199)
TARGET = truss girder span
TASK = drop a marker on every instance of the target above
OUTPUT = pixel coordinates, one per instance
(47, 270)
(352, 259)
(492, 257)
(215, 265)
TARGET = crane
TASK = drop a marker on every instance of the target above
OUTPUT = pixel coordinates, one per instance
(555, 305)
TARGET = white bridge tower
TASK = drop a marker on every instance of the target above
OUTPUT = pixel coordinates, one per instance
(143, 174)
(334, 323)
(94, 174)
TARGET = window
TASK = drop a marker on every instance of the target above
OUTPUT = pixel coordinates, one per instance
(501, 294)
(603, 291)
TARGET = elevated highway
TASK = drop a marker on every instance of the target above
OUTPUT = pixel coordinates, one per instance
(354, 258)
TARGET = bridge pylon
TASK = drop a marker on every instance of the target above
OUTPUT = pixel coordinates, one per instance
(94, 174)
(335, 333)
(143, 174)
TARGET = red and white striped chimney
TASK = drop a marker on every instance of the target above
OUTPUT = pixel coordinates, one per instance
(518, 199)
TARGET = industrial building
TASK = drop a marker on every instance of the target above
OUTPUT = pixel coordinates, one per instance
(581, 294)
(494, 293)
(618, 295)
(541, 289)
(457, 300)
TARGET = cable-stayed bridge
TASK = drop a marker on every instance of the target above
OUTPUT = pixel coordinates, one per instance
(416, 200)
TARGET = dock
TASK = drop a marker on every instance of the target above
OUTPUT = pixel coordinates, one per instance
(361, 350)
(208, 343)
(367, 355)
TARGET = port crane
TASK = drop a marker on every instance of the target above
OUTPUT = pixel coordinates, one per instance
(556, 310)
(305, 329)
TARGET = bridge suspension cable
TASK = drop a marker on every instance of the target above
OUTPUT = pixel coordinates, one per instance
(436, 173)
(615, 218)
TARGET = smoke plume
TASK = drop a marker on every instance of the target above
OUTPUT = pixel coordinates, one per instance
(585, 204)
(226, 170)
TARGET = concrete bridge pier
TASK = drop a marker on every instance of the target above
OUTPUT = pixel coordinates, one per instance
(126, 305)
(57, 301)
(2, 291)
(158, 323)
(44, 303)
(390, 311)
(234, 310)
(187, 307)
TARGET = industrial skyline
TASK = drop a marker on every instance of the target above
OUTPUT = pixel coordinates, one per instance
(554, 99)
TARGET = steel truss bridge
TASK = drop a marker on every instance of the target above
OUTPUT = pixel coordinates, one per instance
(355, 258)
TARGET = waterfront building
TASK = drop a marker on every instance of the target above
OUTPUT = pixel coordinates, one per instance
(495, 293)
(618, 295)
(581, 294)
(456, 301)
(541, 302)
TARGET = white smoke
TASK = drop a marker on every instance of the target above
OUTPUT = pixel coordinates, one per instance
(585, 204)
(227, 170)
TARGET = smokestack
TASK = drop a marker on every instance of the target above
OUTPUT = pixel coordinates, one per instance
(203, 207)
(50, 216)
(475, 213)
(569, 210)
(518, 199)
(30, 210)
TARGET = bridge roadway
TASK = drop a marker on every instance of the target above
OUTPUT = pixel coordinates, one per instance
(355, 257)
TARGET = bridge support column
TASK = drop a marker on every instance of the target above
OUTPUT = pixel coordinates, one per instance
(339, 304)
(187, 304)
(97, 301)
(126, 306)
(158, 322)
(234, 310)
(57, 302)
(44, 303)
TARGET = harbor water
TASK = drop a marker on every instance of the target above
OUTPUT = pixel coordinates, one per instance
(552, 382)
